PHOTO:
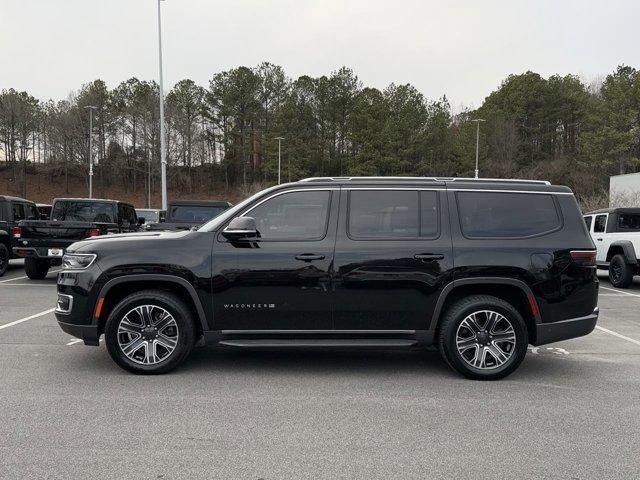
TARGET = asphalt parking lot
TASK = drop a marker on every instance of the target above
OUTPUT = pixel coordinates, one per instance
(572, 410)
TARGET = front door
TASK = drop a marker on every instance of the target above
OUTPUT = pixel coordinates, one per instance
(393, 257)
(281, 279)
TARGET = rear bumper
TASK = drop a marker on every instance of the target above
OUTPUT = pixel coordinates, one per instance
(87, 333)
(37, 252)
(565, 329)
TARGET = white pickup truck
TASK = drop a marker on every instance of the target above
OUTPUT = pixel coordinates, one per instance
(616, 235)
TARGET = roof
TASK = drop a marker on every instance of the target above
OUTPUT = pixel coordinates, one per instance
(449, 182)
(18, 199)
(89, 200)
(614, 210)
(207, 203)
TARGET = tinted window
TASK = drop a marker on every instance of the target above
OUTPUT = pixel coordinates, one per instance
(194, 213)
(293, 216)
(627, 221)
(31, 212)
(600, 223)
(18, 212)
(150, 216)
(100, 212)
(429, 214)
(384, 214)
(506, 215)
(587, 221)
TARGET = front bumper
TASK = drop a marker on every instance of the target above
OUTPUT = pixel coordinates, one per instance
(565, 329)
(87, 333)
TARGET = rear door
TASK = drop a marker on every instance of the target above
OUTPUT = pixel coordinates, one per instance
(393, 256)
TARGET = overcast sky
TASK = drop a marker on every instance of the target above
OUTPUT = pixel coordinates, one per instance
(459, 48)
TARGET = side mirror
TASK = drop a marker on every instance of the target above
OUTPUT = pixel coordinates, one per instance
(241, 227)
(141, 221)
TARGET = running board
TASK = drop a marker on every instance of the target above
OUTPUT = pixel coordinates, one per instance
(320, 343)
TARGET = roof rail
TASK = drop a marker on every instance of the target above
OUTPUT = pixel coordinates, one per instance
(441, 179)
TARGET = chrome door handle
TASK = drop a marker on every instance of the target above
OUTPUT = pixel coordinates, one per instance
(308, 257)
(428, 256)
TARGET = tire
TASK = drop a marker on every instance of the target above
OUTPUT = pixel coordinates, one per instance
(4, 259)
(501, 357)
(620, 272)
(128, 343)
(36, 269)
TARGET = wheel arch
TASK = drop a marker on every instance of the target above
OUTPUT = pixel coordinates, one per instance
(511, 290)
(118, 288)
(625, 247)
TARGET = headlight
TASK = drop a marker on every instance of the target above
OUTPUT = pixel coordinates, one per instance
(77, 261)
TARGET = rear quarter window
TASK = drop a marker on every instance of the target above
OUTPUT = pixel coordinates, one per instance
(507, 215)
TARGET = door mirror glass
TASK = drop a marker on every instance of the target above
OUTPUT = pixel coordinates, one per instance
(241, 227)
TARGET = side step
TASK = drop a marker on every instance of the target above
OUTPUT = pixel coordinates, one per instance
(320, 343)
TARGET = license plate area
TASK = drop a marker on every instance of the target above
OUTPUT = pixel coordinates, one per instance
(55, 252)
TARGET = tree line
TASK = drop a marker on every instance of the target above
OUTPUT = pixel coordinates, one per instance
(223, 135)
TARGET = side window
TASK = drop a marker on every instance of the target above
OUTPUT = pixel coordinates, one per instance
(587, 221)
(600, 224)
(31, 212)
(293, 216)
(131, 216)
(18, 212)
(122, 214)
(384, 214)
(2, 207)
(506, 215)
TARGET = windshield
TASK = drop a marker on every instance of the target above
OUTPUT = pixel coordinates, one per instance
(150, 216)
(83, 211)
(194, 213)
(228, 214)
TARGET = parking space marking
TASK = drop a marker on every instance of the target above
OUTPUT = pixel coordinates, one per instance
(72, 342)
(616, 334)
(23, 277)
(31, 317)
(620, 292)
(29, 285)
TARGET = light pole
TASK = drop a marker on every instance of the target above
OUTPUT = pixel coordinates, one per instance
(163, 147)
(477, 120)
(91, 109)
(279, 140)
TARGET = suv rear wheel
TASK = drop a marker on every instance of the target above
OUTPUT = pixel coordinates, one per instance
(150, 332)
(483, 337)
(36, 269)
(620, 272)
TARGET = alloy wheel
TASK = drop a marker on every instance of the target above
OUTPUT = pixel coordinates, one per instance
(147, 334)
(485, 339)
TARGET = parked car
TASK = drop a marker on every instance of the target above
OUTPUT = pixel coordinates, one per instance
(616, 234)
(186, 214)
(5, 248)
(42, 243)
(151, 215)
(479, 268)
(45, 210)
(12, 211)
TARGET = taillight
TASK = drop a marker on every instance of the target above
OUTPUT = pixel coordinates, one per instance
(584, 258)
(93, 232)
(16, 232)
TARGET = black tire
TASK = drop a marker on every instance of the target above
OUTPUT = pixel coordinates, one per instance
(185, 326)
(36, 269)
(620, 272)
(451, 323)
(4, 259)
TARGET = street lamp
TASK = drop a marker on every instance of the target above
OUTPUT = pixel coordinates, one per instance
(163, 147)
(477, 120)
(279, 149)
(91, 109)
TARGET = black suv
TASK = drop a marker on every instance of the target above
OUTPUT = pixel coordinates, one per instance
(478, 268)
(12, 211)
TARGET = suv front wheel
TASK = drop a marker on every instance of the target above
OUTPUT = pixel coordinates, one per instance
(150, 332)
(483, 337)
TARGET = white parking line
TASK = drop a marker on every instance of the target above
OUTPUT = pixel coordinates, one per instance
(77, 340)
(7, 325)
(616, 334)
(23, 277)
(52, 285)
(620, 291)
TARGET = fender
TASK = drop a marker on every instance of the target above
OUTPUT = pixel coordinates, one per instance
(480, 281)
(627, 248)
(161, 277)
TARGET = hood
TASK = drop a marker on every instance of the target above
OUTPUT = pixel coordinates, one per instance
(125, 240)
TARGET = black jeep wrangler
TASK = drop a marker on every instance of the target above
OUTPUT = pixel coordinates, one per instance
(478, 268)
